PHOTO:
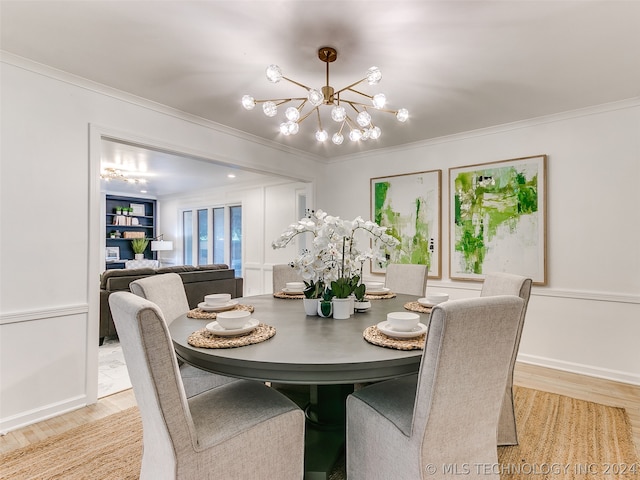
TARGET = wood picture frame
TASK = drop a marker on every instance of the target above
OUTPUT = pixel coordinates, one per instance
(409, 205)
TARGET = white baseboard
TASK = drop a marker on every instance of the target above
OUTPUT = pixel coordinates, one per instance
(581, 369)
(38, 415)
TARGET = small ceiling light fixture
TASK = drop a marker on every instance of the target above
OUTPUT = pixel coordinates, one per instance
(361, 129)
(110, 173)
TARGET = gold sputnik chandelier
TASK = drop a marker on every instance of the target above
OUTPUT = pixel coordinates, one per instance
(110, 173)
(362, 128)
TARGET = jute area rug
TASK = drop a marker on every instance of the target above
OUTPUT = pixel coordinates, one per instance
(560, 438)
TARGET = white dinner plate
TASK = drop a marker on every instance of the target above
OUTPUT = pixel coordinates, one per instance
(425, 303)
(381, 291)
(288, 291)
(217, 329)
(385, 327)
(218, 308)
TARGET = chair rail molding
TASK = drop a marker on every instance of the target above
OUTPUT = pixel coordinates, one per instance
(40, 314)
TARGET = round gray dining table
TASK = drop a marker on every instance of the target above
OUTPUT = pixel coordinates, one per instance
(305, 349)
(328, 355)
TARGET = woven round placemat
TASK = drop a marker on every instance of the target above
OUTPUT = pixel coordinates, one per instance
(203, 338)
(376, 337)
(383, 296)
(417, 307)
(289, 296)
(203, 315)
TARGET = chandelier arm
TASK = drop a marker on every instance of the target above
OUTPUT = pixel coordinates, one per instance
(279, 101)
(300, 120)
(296, 83)
(348, 87)
(317, 109)
(360, 93)
(365, 106)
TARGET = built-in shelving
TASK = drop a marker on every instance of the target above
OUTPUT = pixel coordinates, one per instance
(146, 224)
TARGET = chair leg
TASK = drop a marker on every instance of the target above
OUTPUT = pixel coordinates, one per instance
(507, 431)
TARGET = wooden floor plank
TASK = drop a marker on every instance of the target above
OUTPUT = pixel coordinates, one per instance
(564, 383)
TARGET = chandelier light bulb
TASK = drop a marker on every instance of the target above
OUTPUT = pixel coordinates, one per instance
(270, 109)
(337, 138)
(355, 135)
(322, 135)
(402, 115)
(338, 113)
(375, 133)
(365, 134)
(374, 75)
(292, 114)
(315, 97)
(363, 118)
(289, 128)
(248, 102)
(379, 100)
(274, 73)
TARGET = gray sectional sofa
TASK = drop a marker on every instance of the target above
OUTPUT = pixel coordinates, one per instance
(198, 282)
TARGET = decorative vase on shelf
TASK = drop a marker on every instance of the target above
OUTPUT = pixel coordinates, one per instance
(325, 308)
(341, 308)
(310, 306)
(139, 256)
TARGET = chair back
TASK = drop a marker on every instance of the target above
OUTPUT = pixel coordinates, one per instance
(148, 351)
(498, 283)
(166, 291)
(406, 278)
(283, 273)
(462, 378)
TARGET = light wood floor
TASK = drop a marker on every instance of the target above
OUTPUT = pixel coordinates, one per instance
(564, 383)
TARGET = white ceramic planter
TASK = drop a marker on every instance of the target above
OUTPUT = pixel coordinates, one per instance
(342, 308)
(310, 306)
(328, 309)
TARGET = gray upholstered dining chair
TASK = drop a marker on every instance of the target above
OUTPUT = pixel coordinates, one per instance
(283, 273)
(508, 284)
(448, 413)
(406, 278)
(239, 430)
(167, 292)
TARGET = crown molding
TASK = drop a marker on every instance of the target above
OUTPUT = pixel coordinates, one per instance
(99, 88)
(633, 102)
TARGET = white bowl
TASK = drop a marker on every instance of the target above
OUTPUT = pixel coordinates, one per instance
(374, 285)
(403, 321)
(233, 319)
(295, 286)
(216, 299)
(436, 298)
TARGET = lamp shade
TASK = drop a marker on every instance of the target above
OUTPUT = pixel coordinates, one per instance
(161, 245)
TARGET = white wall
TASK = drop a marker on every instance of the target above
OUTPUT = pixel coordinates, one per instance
(50, 239)
(587, 319)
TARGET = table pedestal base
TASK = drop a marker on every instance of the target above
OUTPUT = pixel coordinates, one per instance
(325, 429)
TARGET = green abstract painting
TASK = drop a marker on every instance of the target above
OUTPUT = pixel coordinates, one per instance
(498, 220)
(409, 206)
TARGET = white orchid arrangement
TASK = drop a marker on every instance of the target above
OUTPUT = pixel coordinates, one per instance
(335, 253)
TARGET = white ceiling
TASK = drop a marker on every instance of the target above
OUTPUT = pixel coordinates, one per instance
(456, 65)
(167, 173)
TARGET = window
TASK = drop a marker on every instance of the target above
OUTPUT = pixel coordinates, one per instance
(219, 236)
(235, 216)
(187, 237)
(203, 237)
